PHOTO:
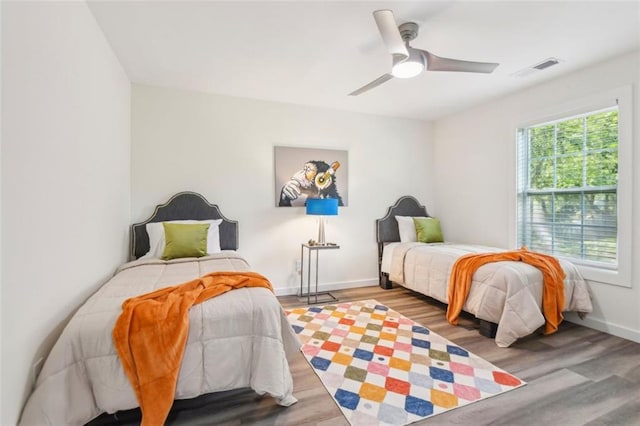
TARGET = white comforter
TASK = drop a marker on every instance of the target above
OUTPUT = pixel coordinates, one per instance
(236, 340)
(506, 293)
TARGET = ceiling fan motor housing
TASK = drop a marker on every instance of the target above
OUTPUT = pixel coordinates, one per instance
(415, 63)
(408, 31)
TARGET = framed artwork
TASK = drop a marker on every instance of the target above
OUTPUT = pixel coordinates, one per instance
(303, 173)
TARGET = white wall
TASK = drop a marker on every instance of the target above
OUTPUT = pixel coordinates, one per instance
(1, 274)
(222, 147)
(65, 177)
(475, 176)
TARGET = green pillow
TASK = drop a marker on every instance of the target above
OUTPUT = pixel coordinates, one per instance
(185, 240)
(428, 230)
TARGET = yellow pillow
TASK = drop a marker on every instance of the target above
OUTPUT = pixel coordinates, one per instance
(185, 240)
(428, 230)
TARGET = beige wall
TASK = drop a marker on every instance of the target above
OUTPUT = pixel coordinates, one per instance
(65, 178)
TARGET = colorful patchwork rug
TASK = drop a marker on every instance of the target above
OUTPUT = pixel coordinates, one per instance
(382, 368)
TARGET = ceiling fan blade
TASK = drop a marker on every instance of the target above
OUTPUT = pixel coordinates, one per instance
(389, 32)
(375, 83)
(437, 63)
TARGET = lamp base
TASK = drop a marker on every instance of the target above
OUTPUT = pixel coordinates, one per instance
(321, 240)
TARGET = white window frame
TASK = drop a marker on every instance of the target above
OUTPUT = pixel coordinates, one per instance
(621, 274)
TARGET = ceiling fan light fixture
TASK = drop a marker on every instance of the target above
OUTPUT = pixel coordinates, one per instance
(409, 67)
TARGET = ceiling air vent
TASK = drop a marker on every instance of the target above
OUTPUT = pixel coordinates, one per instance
(549, 62)
(546, 64)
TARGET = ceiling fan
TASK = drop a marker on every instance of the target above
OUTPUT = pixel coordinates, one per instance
(409, 62)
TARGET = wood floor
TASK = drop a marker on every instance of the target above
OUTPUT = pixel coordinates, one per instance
(577, 376)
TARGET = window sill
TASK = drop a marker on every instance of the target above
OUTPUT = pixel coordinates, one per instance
(605, 276)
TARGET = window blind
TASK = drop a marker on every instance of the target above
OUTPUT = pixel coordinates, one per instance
(567, 186)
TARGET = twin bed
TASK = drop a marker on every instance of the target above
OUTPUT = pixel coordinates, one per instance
(240, 339)
(505, 296)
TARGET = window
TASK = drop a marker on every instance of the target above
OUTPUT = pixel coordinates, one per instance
(568, 187)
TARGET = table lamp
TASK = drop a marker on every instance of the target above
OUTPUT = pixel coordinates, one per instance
(322, 207)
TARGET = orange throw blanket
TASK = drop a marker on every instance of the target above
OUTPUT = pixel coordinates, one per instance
(151, 334)
(552, 274)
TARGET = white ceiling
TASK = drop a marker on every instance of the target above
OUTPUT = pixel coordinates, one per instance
(315, 53)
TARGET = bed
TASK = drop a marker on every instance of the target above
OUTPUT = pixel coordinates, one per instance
(505, 296)
(240, 339)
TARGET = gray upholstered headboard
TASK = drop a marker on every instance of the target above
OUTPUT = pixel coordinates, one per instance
(184, 206)
(387, 228)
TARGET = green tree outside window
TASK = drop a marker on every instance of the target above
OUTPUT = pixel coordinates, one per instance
(568, 177)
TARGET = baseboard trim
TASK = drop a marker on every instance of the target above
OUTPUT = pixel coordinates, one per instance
(341, 285)
(595, 323)
(605, 327)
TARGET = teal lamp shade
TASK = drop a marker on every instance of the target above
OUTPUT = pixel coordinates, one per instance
(322, 207)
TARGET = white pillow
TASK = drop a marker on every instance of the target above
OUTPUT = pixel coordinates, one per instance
(155, 230)
(407, 229)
